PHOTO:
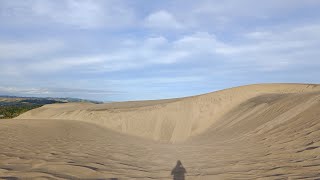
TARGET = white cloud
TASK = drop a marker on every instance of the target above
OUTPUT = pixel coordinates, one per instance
(199, 42)
(217, 15)
(155, 80)
(53, 91)
(84, 14)
(263, 9)
(267, 50)
(28, 49)
(257, 35)
(162, 20)
(152, 50)
(277, 49)
(301, 32)
(15, 90)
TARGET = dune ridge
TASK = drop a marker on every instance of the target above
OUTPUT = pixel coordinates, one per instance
(165, 120)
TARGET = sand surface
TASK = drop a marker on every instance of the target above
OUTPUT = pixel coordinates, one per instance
(267, 131)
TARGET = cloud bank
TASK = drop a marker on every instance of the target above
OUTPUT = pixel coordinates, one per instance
(154, 50)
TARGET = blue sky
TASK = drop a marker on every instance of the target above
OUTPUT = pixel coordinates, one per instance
(116, 50)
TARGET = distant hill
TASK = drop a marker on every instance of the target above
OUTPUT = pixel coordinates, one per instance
(13, 106)
(40, 100)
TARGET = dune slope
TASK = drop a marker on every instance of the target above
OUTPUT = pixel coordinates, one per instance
(269, 131)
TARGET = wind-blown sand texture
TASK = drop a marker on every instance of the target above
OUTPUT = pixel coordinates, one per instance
(267, 131)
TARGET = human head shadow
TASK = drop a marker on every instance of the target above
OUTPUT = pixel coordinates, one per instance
(178, 171)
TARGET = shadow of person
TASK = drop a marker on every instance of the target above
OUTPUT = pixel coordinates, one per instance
(178, 171)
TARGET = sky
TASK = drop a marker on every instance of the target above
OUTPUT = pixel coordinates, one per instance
(120, 50)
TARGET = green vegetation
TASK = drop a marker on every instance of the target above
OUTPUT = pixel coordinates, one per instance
(8, 112)
(13, 106)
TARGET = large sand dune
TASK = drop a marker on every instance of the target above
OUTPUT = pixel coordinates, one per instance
(269, 131)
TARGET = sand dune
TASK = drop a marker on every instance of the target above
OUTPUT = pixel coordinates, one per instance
(269, 131)
(165, 120)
